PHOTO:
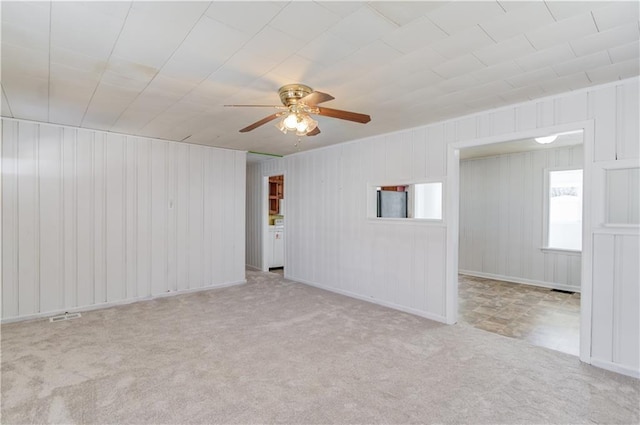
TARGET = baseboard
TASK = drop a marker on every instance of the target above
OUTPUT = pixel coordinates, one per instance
(252, 268)
(116, 303)
(615, 367)
(550, 285)
(425, 314)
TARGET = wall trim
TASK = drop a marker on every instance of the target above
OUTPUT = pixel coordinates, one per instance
(520, 280)
(253, 268)
(424, 314)
(615, 367)
(117, 303)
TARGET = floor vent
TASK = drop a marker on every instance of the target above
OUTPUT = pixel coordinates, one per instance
(66, 316)
(562, 291)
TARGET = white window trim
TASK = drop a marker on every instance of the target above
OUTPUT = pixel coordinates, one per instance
(545, 210)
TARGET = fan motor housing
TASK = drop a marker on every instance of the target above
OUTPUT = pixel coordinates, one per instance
(292, 93)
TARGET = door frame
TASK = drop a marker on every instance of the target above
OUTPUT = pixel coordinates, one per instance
(264, 211)
(453, 221)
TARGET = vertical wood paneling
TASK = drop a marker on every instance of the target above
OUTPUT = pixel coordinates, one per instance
(143, 230)
(28, 221)
(85, 217)
(91, 217)
(196, 216)
(628, 131)
(602, 313)
(227, 191)
(239, 211)
(218, 221)
(10, 218)
(209, 202)
(131, 216)
(571, 108)
(526, 116)
(70, 217)
(604, 108)
(436, 152)
(159, 209)
(182, 216)
(99, 222)
(51, 264)
(627, 337)
(501, 224)
(115, 227)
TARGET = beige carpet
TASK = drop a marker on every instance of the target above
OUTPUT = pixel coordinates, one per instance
(273, 351)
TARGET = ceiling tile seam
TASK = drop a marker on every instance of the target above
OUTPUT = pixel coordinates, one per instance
(221, 65)
(381, 41)
(479, 60)
(49, 67)
(609, 55)
(160, 68)
(594, 21)
(488, 35)
(115, 43)
(530, 43)
(4, 93)
(587, 75)
(382, 15)
(575, 55)
(549, 10)
(437, 26)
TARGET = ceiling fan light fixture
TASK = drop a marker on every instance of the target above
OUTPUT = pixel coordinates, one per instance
(546, 139)
(306, 124)
(291, 121)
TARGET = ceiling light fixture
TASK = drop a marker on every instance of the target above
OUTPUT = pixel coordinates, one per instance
(543, 140)
(299, 122)
(546, 139)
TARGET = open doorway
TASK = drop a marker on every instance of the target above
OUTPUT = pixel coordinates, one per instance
(519, 239)
(274, 245)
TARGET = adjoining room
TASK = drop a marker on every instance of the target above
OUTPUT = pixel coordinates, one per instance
(520, 244)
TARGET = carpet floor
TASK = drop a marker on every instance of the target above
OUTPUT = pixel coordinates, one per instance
(275, 351)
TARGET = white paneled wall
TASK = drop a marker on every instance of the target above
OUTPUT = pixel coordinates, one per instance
(92, 218)
(501, 219)
(332, 244)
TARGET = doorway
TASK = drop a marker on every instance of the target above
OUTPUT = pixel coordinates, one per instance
(274, 224)
(511, 289)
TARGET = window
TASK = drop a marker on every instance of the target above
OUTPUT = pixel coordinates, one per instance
(428, 201)
(564, 202)
(412, 201)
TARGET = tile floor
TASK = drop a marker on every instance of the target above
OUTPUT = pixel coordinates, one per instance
(538, 315)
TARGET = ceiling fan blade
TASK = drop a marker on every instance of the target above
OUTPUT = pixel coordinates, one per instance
(344, 115)
(316, 97)
(255, 106)
(259, 123)
(314, 132)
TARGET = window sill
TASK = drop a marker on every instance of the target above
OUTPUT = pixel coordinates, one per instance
(561, 251)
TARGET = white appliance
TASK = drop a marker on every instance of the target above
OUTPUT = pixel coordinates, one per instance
(276, 245)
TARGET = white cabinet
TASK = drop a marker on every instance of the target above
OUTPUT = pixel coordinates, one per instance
(276, 246)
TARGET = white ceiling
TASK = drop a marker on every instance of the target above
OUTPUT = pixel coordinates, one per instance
(164, 69)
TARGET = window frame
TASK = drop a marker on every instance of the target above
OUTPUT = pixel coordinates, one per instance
(546, 210)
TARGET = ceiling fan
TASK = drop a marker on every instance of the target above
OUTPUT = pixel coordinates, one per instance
(300, 102)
